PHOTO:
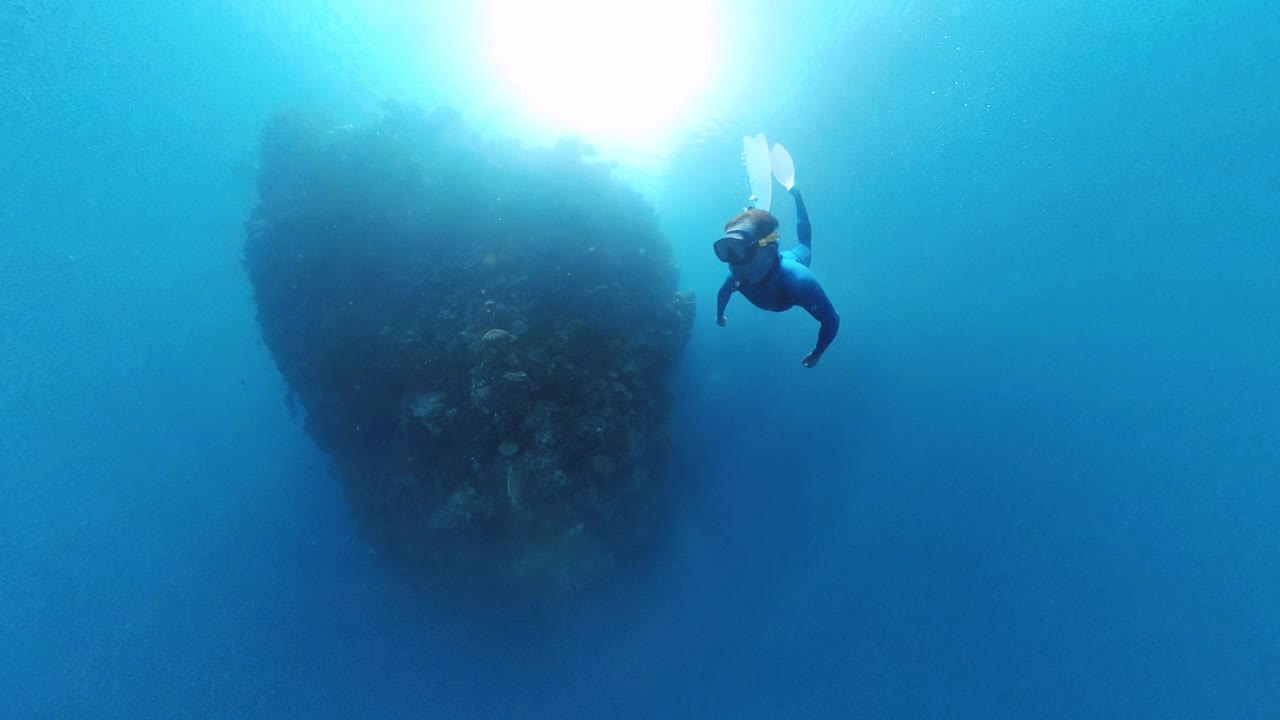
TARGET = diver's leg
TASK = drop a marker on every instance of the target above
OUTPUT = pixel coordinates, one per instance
(802, 254)
(804, 231)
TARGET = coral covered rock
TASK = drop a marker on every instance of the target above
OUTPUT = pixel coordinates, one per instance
(480, 335)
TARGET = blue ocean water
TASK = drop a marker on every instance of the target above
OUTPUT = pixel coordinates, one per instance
(1036, 476)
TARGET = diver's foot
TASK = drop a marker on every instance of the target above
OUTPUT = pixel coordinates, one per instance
(810, 360)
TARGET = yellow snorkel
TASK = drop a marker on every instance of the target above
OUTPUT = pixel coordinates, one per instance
(770, 238)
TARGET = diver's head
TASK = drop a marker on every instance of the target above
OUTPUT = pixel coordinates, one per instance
(749, 245)
(756, 222)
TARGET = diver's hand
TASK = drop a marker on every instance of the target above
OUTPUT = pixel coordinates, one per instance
(810, 360)
(722, 321)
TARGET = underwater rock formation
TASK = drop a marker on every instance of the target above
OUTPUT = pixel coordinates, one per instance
(480, 335)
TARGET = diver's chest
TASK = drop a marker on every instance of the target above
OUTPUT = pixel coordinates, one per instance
(767, 296)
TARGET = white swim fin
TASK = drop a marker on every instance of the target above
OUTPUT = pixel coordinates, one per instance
(783, 167)
(755, 155)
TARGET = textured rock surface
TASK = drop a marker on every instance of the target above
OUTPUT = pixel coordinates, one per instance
(480, 336)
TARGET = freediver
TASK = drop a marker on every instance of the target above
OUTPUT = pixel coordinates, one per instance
(772, 280)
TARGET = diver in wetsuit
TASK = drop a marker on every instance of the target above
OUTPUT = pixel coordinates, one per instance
(773, 280)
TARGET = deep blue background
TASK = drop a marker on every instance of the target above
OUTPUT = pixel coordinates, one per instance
(1037, 475)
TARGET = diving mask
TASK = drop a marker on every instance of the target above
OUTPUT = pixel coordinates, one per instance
(739, 250)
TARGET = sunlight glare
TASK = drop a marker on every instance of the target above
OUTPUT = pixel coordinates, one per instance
(603, 67)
